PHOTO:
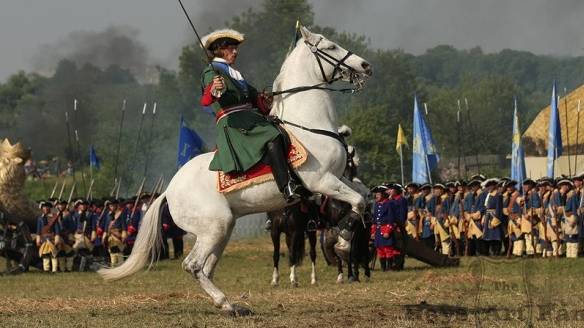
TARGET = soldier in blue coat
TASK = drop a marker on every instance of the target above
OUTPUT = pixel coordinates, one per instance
(492, 212)
(85, 231)
(66, 252)
(384, 222)
(399, 206)
(425, 230)
(132, 216)
(473, 229)
(48, 229)
(115, 231)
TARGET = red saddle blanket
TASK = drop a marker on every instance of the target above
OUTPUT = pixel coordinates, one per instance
(261, 172)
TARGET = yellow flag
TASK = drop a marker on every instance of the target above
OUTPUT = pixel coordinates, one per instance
(401, 138)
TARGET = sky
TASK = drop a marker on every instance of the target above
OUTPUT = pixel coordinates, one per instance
(33, 29)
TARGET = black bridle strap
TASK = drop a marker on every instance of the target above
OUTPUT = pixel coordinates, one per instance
(327, 133)
(337, 64)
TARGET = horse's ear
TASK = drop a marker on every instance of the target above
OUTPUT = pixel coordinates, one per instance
(306, 34)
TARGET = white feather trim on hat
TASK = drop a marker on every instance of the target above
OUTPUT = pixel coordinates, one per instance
(208, 39)
(345, 131)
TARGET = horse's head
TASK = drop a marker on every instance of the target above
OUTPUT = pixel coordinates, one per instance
(332, 62)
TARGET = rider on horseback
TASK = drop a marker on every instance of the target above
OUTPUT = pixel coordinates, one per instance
(245, 136)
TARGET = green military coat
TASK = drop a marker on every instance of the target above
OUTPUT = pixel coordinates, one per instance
(241, 136)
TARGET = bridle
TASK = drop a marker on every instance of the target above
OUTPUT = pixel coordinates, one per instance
(337, 64)
(321, 56)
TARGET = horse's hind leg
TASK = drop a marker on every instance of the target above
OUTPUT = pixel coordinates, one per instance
(203, 258)
(339, 270)
(312, 241)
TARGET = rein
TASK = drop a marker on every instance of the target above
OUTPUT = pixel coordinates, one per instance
(327, 133)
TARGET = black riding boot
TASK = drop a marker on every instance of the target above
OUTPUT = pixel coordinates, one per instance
(276, 158)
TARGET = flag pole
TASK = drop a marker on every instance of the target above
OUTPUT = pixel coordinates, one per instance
(567, 131)
(461, 127)
(458, 141)
(577, 138)
(401, 163)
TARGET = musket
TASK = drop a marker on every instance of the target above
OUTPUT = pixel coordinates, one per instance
(118, 189)
(90, 189)
(54, 189)
(154, 191)
(137, 198)
(112, 193)
(62, 189)
(71, 194)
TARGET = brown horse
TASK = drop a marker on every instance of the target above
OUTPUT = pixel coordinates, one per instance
(358, 253)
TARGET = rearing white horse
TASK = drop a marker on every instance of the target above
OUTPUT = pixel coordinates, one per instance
(197, 207)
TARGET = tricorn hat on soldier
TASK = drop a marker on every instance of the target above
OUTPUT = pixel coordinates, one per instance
(222, 38)
(43, 203)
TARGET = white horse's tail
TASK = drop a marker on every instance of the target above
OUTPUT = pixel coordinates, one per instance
(149, 238)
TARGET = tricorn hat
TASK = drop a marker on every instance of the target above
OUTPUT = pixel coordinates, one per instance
(221, 37)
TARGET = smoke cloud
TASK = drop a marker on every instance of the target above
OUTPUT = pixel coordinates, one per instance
(116, 45)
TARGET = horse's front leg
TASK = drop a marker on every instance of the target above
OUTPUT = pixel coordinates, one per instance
(275, 232)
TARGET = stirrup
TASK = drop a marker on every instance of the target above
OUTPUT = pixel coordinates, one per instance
(290, 192)
(311, 225)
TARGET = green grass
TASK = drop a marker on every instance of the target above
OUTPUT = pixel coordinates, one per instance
(419, 296)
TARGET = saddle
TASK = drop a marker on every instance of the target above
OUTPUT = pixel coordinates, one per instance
(261, 172)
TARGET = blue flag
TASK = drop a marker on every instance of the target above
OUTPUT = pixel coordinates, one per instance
(554, 135)
(424, 153)
(517, 153)
(94, 161)
(189, 144)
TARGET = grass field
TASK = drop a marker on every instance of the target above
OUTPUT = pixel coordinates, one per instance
(489, 293)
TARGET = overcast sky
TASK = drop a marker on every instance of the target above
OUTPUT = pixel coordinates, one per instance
(541, 26)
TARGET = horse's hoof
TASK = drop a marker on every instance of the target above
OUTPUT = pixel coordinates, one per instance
(339, 279)
(351, 280)
(240, 311)
(274, 283)
(313, 282)
(294, 283)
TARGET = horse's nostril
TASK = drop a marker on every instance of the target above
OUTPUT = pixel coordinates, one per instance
(367, 67)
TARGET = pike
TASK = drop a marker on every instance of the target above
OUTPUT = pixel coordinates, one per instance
(567, 131)
(70, 143)
(577, 139)
(140, 126)
(80, 159)
(147, 153)
(119, 139)
(472, 135)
